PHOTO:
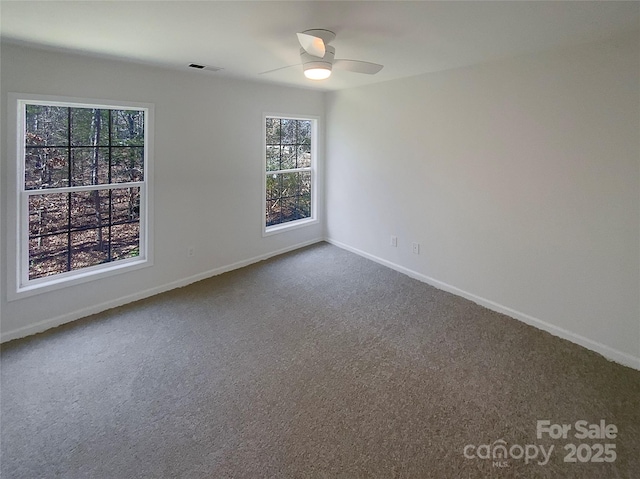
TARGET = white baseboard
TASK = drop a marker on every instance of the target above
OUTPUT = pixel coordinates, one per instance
(97, 308)
(606, 351)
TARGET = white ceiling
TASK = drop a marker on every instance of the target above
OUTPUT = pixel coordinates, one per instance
(246, 38)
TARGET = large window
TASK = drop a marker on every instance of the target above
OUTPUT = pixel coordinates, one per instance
(83, 181)
(290, 151)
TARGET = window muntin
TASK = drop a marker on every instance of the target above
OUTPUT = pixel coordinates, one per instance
(82, 206)
(289, 161)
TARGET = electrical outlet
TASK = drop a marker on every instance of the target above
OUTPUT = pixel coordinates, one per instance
(394, 241)
(416, 248)
(191, 251)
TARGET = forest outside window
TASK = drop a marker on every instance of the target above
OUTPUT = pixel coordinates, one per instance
(290, 151)
(83, 174)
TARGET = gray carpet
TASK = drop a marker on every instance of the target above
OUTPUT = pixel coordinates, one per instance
(317, 363)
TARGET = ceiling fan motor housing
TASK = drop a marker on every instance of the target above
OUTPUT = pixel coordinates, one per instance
(309, 61)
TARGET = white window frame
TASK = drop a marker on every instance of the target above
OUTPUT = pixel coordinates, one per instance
(19, 284)
(313, 219)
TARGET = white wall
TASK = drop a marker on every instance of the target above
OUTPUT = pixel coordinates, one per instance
(208, 182)
(519, 179)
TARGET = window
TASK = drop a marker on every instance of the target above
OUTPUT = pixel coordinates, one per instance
(290, 150)
(83, 186)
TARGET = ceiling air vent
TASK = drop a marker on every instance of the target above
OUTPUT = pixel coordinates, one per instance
(204, 67)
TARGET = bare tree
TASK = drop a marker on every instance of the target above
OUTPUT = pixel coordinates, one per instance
(96, 126)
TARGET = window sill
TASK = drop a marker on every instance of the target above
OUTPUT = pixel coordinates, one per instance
(79, 277)
(272, 230)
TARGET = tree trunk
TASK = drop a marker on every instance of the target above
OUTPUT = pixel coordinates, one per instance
(96, 124)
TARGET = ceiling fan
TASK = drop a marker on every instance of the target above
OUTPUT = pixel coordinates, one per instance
(317, 57)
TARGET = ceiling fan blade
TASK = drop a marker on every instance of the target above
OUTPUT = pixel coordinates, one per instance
(312, 45)
(357, 66)
(278, 69)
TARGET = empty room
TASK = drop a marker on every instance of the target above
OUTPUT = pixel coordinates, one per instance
(313, 239)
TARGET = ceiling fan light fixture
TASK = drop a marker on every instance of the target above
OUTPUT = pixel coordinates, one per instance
(317, 73)
(317, 68)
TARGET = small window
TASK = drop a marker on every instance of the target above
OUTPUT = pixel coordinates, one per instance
(290, 150)
(83, 183)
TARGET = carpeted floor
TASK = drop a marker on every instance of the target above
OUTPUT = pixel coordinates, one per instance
(317, 363)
